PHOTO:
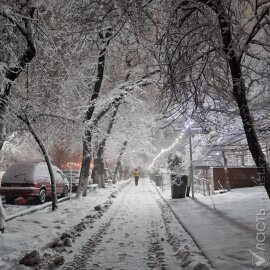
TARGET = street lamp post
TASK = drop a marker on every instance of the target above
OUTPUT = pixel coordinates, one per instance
(188, 125)
(191, 162)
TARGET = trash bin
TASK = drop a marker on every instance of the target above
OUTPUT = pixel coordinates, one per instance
(158, 180)
(178, 185)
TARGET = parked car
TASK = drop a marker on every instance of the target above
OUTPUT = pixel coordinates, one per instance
(73, 177)
(32, 179)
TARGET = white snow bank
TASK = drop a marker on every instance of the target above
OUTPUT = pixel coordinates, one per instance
(228, 235)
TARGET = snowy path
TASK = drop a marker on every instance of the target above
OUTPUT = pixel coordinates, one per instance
(137, 232)
(232, 230)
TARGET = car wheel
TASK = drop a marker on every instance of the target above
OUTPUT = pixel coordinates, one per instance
(65, 191)
(42, 195)
(9, 200)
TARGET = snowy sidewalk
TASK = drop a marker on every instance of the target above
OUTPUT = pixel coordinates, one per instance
(228, 233)
(133, 230)
(135, 234)
(33, 231)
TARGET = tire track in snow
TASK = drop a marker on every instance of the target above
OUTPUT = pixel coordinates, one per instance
(55, 249)
(80, 259)
(135, 237)
(137, 232)
(156, 255)
(185, 248)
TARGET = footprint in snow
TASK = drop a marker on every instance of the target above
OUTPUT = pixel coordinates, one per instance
(122, 256)
(36, 221)
(56, 221)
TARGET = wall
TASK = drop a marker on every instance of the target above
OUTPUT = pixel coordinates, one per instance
(238, 177)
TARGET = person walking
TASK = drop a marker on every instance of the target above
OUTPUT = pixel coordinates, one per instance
(3, 217)
(136, 174)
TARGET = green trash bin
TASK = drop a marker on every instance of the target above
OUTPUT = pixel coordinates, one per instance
(178, 185)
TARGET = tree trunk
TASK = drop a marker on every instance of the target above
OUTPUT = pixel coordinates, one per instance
(47, 159)
(267, 153)
(102, 172)
(84, 173)
(118, 164)
(99, 167)
(239, 93)
(101, 147)
(2, 125)
(253, 141)
(87, 140)
(96, 172)
(99, 162)
(121, 173)
(93, 177)
(103, 143)
(86, 168)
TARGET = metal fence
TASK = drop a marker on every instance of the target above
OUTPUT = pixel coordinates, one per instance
(202, 186)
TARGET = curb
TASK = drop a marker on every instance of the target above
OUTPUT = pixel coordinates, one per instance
(37, 208)
(48, 204)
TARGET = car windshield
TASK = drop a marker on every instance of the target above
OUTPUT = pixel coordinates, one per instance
(19, 173)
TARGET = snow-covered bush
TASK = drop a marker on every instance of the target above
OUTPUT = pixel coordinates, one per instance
(175, 161)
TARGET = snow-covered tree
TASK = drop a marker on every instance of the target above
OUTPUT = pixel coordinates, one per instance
(17, 49)
(215, 53)
(175, 161)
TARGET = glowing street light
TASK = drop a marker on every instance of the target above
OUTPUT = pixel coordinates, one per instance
(189, 123)
(166, 150)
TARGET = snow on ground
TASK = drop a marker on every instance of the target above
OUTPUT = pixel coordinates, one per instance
(228, 227)
(137, 230)
(33, 231)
